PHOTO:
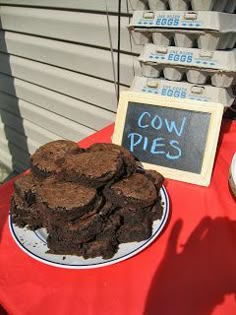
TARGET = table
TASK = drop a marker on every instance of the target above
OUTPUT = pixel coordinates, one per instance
(189, 270)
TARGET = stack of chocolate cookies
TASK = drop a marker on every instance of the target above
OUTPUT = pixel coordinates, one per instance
(89, 200)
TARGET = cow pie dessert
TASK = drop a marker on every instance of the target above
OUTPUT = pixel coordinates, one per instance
(89, 200)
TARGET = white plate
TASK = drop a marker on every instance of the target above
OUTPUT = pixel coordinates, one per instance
(232, 175)
(34, 244)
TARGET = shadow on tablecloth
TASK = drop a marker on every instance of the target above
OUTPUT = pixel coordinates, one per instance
(2, 311)
(197, 279)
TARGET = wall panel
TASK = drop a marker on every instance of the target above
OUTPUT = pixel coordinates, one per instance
(56, 71)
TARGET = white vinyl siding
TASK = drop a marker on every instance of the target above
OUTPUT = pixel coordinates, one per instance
(56, 73)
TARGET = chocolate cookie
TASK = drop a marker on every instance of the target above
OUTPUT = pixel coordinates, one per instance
(129, 160)
(106, 209)
(135, 232)
(134, 191)
(65, 201)
(97, 248)
(132, 216)
(78, 231)
(26, 186)
(48, 159)
(93, 168)
(25, 215)
(100, 248)
(156, 211)
(112, 225)
(155, 177)
(63, 246)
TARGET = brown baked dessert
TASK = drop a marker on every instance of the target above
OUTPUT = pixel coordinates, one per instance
(129, 160)
(65, 201)
(93, 168)
(90, 201)
(154, 176)
(97, 248)
(24, 214)
(79, 230)
(49, 158)
(134, 191)
(133, 232)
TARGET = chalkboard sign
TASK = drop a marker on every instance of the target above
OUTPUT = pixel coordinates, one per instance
(176, 137)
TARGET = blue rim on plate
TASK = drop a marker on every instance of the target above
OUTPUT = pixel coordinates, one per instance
(34, 244)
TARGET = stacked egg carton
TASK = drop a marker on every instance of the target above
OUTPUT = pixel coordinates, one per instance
(228, 6)
(186, 54)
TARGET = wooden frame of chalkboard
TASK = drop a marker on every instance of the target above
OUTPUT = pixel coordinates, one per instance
(177, 137)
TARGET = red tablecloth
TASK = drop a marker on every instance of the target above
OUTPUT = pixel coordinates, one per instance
(189, 270)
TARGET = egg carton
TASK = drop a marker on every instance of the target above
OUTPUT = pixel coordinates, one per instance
(228, 6)
(138, 5)
(183, 90)
(198, 65)
(202, 29)
(194, 76)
